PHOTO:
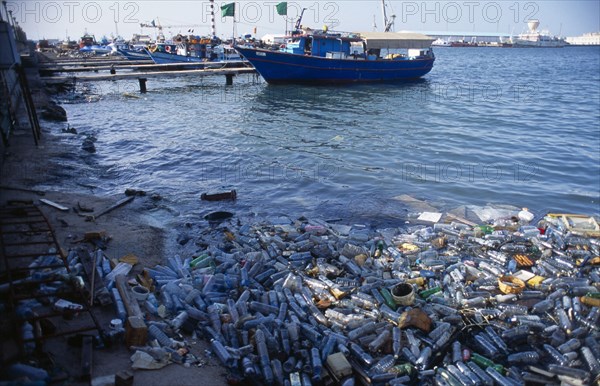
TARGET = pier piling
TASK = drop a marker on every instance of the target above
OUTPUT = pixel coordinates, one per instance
(142, 85)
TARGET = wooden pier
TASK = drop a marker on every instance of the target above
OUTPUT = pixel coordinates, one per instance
(120, 70)
(137, 65)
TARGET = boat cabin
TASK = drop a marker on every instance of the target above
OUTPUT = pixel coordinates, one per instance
(360, 46)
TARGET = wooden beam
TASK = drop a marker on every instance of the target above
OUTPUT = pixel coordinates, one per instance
(86, 358)
(136, 75)
(131, 304)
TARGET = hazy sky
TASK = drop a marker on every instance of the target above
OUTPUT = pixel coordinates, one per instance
(58, 19)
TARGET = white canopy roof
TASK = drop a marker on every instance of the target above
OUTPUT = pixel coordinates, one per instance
(396, 40)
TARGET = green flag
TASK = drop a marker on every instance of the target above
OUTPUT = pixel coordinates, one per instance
(282, 8)
(228, 10)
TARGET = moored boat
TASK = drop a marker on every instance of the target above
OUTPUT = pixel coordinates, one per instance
(133, 54)
(321, 56)
(193, 50)
(537, 39)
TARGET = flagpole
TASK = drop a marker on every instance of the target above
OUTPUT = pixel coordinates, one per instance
(212, 19)
(233, 28)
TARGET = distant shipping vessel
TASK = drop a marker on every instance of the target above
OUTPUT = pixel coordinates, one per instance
(537, 39)
(589, 39)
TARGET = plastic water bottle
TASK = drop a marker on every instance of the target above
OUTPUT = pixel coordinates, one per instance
(525, 216)
(570, 345)
(178, 321)
(27, 333)
(160, 336)
(20, 370)
(119, 304)
(384, 364)
(528, 357)
(316, 363)
(590, 360)
(222, 353)
(277, 371)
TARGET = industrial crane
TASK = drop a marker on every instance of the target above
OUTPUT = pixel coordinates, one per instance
(160, 27)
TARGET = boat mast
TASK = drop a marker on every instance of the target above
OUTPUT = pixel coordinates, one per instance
(212, 19)
(299, 21)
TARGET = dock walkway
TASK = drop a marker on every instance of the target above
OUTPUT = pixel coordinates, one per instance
(141, 70)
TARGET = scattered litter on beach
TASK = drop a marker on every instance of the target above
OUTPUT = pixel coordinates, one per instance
(507, 304)
(436, 301)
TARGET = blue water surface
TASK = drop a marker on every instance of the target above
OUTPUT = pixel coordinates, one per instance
(486, 126)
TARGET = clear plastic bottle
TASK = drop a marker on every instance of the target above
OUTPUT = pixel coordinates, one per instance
(381, 339)
(409, 355)
(542, 307)
(481, 374)
(462, 378)
(498, 378)
(248, 367)
(569, 346)
(121, 312)
(27, 335)
(563, 320)
(556, 355)
(526, 357)
(361, 355)
(569, 371)
(464, 369)
(224, 356)
(456, 352)
(383, 364)
(160, 336)
(33, 374)
(295, 379)
(362, 331)
(396, 341)
(590, 360)
(263, 354)
(316, 363)
(277, 371)
(423, 359)
(179, 320)
(496, 339)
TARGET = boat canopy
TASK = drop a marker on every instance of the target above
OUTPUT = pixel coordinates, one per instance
(394, 40)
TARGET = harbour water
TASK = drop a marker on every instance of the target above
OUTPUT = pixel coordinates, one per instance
(486, 126)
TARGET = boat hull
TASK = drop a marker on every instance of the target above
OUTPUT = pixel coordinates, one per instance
(165, 58)
(133, 55)
(281, 67)
(541, 44)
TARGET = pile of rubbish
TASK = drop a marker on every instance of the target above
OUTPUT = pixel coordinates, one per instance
(504, 301)
(306, 302)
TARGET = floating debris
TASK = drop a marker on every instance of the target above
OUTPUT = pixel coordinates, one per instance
(232, 195)
(450, 303)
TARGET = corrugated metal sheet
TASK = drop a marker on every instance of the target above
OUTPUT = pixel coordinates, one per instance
(393, 40)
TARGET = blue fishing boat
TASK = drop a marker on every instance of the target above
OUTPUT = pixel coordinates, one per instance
(320, 56)
(133, 54)
(193, 50)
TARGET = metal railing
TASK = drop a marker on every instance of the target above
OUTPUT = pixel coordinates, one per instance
(14, 88)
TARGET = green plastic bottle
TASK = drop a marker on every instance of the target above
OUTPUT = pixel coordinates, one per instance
(484, 363)
(403, 369)
(200, 261)
(427, 293)
(389, 300)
